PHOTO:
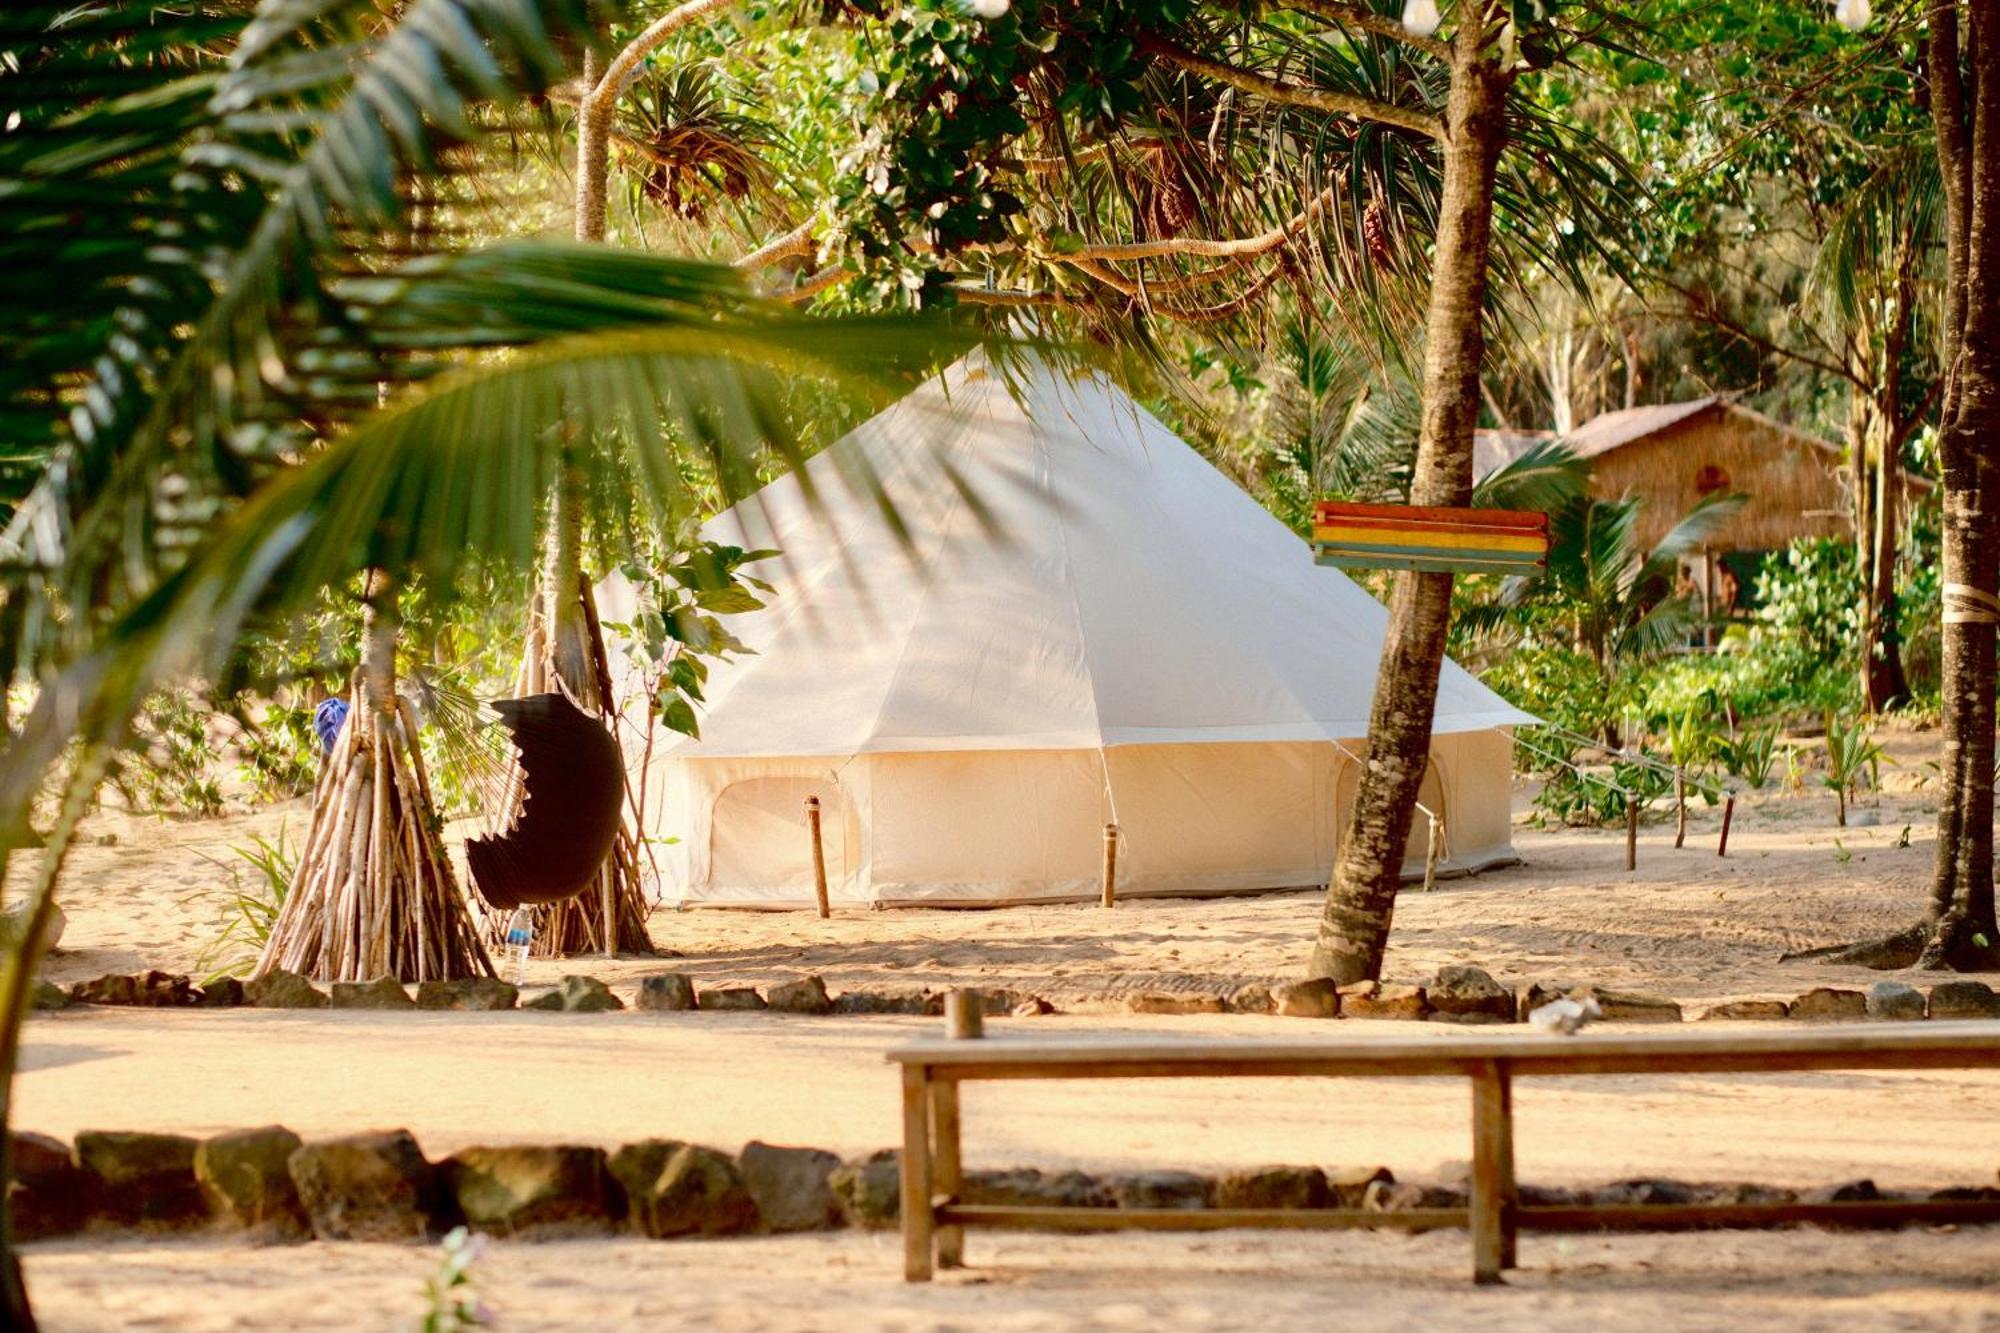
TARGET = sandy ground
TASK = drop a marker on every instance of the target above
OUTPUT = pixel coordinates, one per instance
(1225, 1281)
(145, 892)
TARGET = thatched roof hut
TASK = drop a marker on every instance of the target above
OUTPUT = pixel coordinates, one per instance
(1674, 454)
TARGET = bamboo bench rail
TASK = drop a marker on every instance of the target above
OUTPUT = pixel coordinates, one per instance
(935, 1218)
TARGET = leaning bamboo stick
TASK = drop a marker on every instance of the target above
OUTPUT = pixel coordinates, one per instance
(1680, 806)
(1728, 814)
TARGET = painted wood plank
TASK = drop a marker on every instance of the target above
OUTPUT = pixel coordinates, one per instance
(1517, 518)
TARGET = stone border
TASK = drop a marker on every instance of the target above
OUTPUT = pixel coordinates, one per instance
(1457, 994)
(270, 1187)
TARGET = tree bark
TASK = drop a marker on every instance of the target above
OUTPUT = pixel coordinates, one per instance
(1960, 930)
(1361, 898)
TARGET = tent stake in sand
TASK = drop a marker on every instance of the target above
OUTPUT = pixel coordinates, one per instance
(1680, 806)
(819, 857)
(1728, 813)
(1631, 833)
(1110, 898)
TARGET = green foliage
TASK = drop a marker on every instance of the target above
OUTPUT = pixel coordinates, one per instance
(249, 911)
(676, 625)
(172, 758)
(1852, 753)
(1750, 755)
(280, 753)
(451, 1293)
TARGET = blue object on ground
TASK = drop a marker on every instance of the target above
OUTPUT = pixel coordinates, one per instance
(328, 718)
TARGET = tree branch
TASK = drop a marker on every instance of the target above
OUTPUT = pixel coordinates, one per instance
(1293, 94)
(1359, 16)
(794, 244)
(624, 71)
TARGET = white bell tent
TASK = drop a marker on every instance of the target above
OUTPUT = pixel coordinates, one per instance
(1089, 625)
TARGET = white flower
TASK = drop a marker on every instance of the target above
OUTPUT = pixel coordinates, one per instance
(1421, 17)
(987, 9)
(1852, 15)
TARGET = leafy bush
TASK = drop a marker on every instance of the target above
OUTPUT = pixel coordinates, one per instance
(245, 922)
(170, 762)
(1750, 755)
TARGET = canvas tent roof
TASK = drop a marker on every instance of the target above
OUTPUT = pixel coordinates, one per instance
(1076, 577)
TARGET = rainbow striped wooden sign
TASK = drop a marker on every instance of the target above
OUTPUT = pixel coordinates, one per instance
(1448, 541)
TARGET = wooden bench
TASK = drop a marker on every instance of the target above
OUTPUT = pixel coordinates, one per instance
(935, 1217)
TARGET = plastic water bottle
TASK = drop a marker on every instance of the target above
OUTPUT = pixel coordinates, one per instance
(520, 934)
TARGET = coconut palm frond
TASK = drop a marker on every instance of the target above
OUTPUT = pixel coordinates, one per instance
(1546, 476)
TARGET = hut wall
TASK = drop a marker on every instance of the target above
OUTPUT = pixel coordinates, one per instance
(1796, 488)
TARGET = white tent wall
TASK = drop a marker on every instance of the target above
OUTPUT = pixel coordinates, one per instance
(987, 828)
(1140, 643)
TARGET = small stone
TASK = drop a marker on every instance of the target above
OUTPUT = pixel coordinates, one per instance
(381, 993)
(1033, 1007)
(1025, 1186)
(1315, 997)
(370, 1187)
(1644, 1191)
(1350, 1184)
(279, 989)
(221, 993)
(1829, 1004)
(791, 1186)
(1254, 998)
(577, 995)
(165, 990)
(699, 1193)
(1171, 1002)
(637, 1167)
(1464, 994)
(246, 1178)
(1619, 1006)
(1748, 1009)
(109, 989)
(1894, 1002)
(1375, 999)
(870, 1191)
(670, 992)
(1742, 1193)
(144, 1180)
(1161, 1189)
(474, 994)
(1390, 1196)
(1853, 1191)
(535, 1193)
(1964, 999)
(48, 995)
(807, 995)
(49, 1195)
(1274, 1187)
(730, 997)
(884, 1002)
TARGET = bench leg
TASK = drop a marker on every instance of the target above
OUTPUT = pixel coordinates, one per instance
(1493, 1188)
(945, 1171)
(918, 1220)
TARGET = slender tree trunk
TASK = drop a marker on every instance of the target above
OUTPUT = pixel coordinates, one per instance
(1361, 899)
(1960, 932)
(1883, 682)
(566, 652)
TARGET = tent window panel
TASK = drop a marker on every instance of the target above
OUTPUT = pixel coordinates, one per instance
(995, 817)
(758, 836)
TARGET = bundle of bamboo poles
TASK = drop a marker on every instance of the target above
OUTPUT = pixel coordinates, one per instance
(373, 894)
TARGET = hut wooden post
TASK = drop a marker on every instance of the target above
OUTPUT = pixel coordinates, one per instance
(1110, 886)
(1431, 850)
(1680, 806)
(819, 857)
(1631, 833)
(1728, 813)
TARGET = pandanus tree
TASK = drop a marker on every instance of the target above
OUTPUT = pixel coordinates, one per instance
(247, 373)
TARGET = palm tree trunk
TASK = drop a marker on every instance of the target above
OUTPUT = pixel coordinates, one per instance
(1961, 929)
(373, 894)
(1361, 898)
